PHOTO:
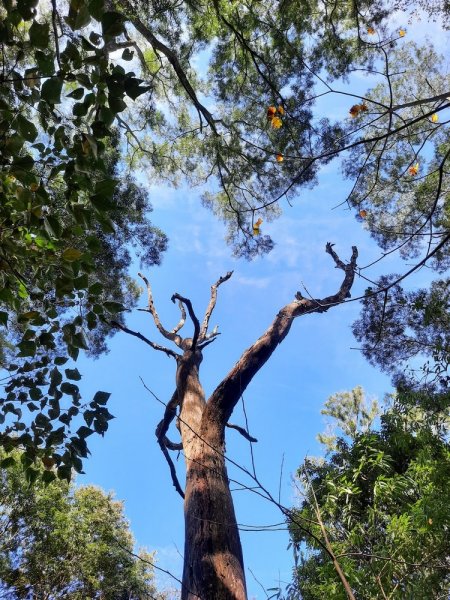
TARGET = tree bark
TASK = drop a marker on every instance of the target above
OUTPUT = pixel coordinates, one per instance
(213, 561)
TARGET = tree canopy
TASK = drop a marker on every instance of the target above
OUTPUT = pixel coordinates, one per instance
(58, 541)
(382, 496)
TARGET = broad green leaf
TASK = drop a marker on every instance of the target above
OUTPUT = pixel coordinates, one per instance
(73, 374)
(51, 90)
(116, 104)
(96, 9)
(77, 94)
(101, 397)
(27, 348)
(127, 54)
(112, 24)
(26, 129)
(84, 432)
(114, 307)
(39, 34)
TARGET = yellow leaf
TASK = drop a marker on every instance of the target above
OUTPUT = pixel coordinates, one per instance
(434, 118)
(281, 110)
(71, 254)
(256, 226)
(402, 32)
(276, 122)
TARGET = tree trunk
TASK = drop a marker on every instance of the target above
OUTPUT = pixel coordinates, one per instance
(213, 562)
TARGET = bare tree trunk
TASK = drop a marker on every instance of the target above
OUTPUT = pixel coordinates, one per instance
(213, 561)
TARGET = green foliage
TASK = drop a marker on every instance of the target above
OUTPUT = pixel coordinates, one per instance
(66, 221)
(407, 333)
(351, 413)
(59, 541)
(383, 498)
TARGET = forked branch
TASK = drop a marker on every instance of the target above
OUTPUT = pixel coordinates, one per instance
(225, 397)
(193, 316)
(211, 305)
(169, 335)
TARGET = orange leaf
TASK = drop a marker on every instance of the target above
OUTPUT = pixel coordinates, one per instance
(271, 112)
(281, 110)
(279, 158)
(371, 31)
(363, 213)
(414, 169)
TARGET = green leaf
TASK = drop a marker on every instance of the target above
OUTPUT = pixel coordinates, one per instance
(106, 187)
(76, 94)
(101, 397)
(45, 62)
(133, 88)
(96, 9)
(31, 474)
(73, 374)
(116, 105)
(65, 472)
(48, 476)
(39, 34)
(114, 307)
(60, 360)
(80, 109)
(72, 254)
(78, 15)
(112, 24)
(81, 283)
(51, 90)
(84, 432)
(26, 129)
(26, 8)
(9, 461)
(127, 54)
(79, 341)
(27, 348)
(96, 288)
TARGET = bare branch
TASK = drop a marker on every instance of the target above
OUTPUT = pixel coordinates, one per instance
(168, 351)
(193, 316)
(227, 394)
(169, 415)
(164, 442)
(159, 46)
(242, 431)
(169, 335)
(173, 472)
(182, 320)
(212, 304)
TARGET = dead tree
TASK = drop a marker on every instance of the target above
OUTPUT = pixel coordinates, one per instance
(213, 561)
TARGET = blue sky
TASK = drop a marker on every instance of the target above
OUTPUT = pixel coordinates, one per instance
(284, 400)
